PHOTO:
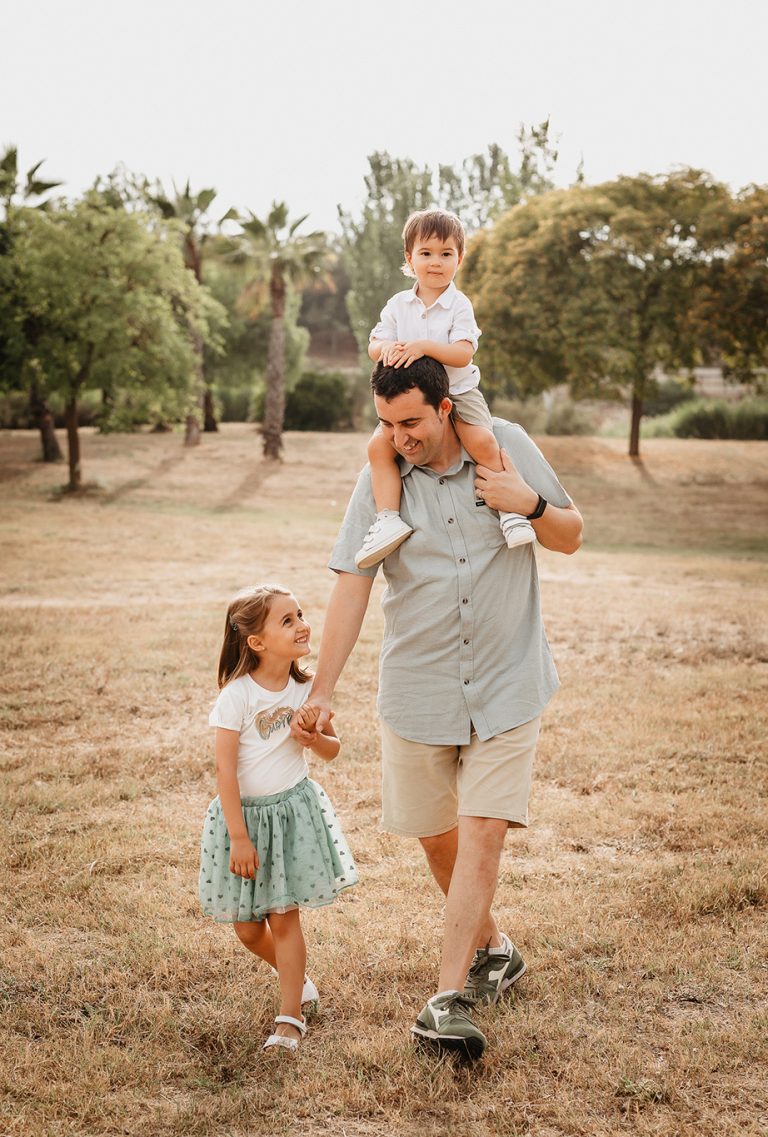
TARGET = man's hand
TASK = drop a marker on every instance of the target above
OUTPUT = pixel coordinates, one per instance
(505, 491)
(305, 723)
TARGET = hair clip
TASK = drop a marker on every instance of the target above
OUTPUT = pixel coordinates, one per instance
(232, 624)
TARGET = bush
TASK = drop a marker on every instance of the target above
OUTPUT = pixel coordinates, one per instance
(707, 418)
(670, 393)
(318, 401)
(566, 417)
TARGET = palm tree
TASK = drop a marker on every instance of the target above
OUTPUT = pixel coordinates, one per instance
(190, 210)
(13, 195)
(283, 259)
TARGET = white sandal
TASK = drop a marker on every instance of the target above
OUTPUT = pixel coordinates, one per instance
(282, 1039)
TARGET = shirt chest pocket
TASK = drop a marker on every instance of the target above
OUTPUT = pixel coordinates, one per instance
(481, 523)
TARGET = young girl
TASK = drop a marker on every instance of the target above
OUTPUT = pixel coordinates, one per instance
(271, 843)
(432, 318)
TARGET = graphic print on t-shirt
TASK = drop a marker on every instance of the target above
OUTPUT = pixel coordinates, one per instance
(267, 722)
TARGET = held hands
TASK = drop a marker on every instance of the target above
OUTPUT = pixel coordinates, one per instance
(402, 354)
(243, 858)
(506, 490)
(308, 722)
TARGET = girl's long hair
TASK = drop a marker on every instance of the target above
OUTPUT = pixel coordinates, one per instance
(246, 615)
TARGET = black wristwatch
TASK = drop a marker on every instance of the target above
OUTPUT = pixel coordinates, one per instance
(541, 505)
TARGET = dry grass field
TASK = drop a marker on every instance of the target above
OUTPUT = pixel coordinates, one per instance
(639, 895)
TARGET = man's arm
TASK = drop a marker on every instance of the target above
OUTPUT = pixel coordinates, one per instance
(559, 528)
(343, 620)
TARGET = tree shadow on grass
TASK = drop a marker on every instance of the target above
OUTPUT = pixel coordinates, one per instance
(149, 478)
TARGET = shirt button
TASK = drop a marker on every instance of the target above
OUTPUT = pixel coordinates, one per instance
(462, 560)
(450, 521)
(442, 481)
(423, 315)
(466, 641)
(465, 601)
(466, 682)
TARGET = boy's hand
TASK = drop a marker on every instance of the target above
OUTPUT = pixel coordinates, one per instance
(407, 353)
(389, 352)
(243, 858)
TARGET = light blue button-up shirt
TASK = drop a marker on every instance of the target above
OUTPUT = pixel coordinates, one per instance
(464, 645)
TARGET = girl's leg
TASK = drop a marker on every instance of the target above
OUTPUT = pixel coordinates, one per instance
(480, 443)
(257, 937)
(291, 953)
(385, 476)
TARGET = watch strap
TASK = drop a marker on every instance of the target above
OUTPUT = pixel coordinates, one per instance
(541, 505)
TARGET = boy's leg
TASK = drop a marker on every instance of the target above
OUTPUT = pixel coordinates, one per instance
(388, 530)
(385, 475)
(481, 445)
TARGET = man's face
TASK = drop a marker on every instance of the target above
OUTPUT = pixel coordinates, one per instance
(415, 429)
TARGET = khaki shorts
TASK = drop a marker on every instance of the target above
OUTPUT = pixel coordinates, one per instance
(472, 408)
(425, 788)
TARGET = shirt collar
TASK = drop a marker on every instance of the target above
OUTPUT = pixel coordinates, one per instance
(406, 467)
(445, 299)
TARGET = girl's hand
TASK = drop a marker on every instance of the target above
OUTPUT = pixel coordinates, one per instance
(304, 724)
(243, 858)
(409, 352)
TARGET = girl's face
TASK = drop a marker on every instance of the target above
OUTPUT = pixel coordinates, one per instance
(285, 634)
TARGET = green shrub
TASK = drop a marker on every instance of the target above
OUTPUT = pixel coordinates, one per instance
(565, 417)
(668, 395)
(714, 418)
(318, 401)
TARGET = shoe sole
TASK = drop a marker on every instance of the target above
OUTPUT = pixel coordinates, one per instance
(378, 555)
(470, 1049)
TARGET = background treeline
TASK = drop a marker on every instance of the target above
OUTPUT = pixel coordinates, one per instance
(135, 305)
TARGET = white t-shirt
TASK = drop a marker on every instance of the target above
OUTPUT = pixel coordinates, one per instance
(450, 319)
(269, 758)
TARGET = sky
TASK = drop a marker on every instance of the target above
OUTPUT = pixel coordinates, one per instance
(285, 100)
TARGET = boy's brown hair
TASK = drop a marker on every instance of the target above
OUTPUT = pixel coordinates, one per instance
(426, 223)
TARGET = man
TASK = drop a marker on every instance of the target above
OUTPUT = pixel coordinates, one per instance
(465, 669)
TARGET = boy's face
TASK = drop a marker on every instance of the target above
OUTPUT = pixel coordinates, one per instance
(434, 262)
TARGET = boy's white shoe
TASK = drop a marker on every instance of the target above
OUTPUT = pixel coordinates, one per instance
(516, 529)
(384, 536)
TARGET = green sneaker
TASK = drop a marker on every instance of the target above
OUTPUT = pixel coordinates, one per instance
(445, 1024)
(493, 971)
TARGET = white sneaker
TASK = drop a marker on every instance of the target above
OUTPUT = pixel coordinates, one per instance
(516, 530)
(383, 537)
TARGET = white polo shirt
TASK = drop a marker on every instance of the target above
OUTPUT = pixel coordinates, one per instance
(450, 319)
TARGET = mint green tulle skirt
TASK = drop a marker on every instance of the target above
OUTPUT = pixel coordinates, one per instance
(304, 860)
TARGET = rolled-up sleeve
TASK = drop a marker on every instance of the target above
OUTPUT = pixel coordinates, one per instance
(464, 326)
(386, 329)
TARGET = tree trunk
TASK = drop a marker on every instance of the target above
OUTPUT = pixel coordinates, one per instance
(192, 430)
(209, 415)
(73, 445)
(274, 403)
(43, 418)
(637, 414)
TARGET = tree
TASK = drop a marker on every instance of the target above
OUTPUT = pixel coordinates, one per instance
(17, 341)
(477, 190)
(115, 305)
(595, 286)
(282, 259)
(732, 312)
(190, 211)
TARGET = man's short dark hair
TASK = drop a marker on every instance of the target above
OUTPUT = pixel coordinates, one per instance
(425, 373)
